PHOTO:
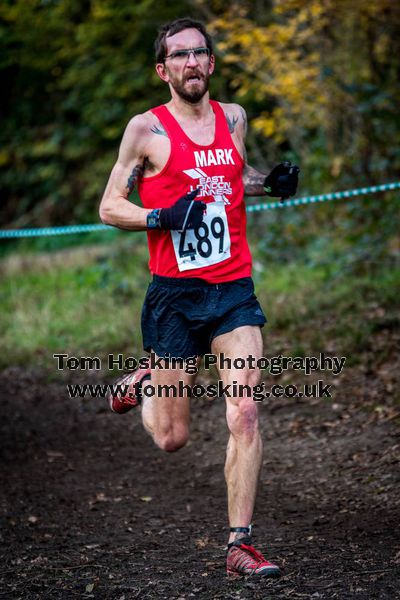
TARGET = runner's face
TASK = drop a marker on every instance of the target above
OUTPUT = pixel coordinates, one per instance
(189, 77)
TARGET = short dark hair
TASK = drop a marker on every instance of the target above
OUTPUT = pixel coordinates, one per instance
(160, 45)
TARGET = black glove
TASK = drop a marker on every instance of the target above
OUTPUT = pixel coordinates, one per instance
(282, 181)
(186, 213)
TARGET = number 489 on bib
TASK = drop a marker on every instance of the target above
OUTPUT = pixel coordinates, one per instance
(206, 245)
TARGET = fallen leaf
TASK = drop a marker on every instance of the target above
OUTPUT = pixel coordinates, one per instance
(54, 454)
(32, 519)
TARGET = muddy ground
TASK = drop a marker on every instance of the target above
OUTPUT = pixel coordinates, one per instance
(90, 508)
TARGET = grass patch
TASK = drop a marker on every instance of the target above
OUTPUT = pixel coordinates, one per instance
(80, 302)
(310, 311)
(87, 301)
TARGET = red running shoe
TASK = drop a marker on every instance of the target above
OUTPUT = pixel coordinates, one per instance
(126, 393)
(243, 559)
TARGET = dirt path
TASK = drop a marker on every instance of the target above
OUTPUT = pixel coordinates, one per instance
(91, 509)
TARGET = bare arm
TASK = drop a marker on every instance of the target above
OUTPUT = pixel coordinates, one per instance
(115, 208)
(253, 179)
(281, 182)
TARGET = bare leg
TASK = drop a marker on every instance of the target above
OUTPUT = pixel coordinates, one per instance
(244, 451)
(166, 418)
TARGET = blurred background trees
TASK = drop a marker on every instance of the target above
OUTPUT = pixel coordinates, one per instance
(319, 80)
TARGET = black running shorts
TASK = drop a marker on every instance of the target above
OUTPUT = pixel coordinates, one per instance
(181, 317)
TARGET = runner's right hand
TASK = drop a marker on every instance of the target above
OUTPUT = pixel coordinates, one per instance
(186, 213)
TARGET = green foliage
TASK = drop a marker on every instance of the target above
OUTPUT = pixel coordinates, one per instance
(75, 73)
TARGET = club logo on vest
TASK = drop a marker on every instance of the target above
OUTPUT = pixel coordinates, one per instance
(214, 186)
(219, 156)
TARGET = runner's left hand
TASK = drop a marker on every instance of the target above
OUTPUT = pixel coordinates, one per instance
(282, 181)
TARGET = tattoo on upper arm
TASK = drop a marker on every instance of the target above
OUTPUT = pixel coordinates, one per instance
(159, 130)
(244, 117)
(231, 122)
(134, 176)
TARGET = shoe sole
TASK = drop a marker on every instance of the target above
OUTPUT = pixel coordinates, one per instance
(267, 573)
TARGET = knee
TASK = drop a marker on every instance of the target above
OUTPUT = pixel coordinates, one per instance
(172, 440)
(242, 419)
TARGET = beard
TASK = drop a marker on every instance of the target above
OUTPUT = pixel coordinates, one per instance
(195, 92)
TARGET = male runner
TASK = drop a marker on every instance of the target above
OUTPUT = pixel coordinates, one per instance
(188, 159)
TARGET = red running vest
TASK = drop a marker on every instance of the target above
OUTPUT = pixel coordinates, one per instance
(217, 250)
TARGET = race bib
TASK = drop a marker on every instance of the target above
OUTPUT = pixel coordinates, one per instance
(208, 244)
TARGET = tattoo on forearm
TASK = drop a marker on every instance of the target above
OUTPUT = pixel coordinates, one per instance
(253, 181)
(231, 122)
(159, 130)
(133, 177)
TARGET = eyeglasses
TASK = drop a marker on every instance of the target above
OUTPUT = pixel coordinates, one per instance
(183, 55)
